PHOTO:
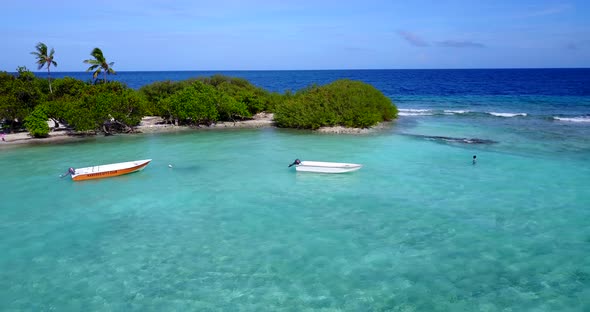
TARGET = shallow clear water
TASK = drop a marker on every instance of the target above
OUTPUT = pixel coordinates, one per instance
(230, 227)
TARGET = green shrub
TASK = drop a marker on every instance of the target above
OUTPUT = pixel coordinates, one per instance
(36, 123)
(109, 107)
(272, 100)
(247, 98)
(19, 95)
(195, 104)
(341, 103)
(230, 109)
(68, 86)
(156, 92)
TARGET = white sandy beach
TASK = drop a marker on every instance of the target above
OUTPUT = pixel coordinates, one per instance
(154, 124)
(149, 124)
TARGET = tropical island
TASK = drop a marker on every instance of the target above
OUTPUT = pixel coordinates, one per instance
(99, 106)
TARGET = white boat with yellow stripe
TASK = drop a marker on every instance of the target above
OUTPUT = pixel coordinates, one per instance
(324, 167)
(107, 171)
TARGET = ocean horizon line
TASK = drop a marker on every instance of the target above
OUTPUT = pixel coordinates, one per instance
(308, 70)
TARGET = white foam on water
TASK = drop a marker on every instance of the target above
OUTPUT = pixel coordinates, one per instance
(508, 115)
(458, 112)
(573, 119)
(414, 112)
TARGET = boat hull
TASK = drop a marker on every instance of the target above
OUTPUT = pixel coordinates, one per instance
(326, 167)
(110, 170)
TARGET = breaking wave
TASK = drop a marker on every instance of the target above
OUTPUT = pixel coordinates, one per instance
(508, 115)
(462, 112)
(573, 119)
(415, 112)
(457, 112)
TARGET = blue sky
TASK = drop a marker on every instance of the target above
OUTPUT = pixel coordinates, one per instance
(302, 34)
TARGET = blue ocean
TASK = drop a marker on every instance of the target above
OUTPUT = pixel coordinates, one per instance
(229, 227)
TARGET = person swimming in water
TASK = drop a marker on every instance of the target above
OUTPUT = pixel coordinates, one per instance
(474, 159)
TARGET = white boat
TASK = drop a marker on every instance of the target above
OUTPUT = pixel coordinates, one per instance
(107, 171)
(324, 167)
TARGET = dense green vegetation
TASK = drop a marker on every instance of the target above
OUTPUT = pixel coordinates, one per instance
(85, 107)
(19, 94)
(111, 107)
(206, 100)
(341, 103)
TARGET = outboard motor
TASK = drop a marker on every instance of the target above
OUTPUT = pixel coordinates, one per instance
(296, 162)
(70, 171)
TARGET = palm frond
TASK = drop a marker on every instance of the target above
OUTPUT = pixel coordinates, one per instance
(97, 54)
(96, 73)
(96, 51)
(93, 67)
(42, 48)
(40, 62)
(42, 57)
(99, 63)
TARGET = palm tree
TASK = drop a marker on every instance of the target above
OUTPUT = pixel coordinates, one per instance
(43, 59)
(99, 64)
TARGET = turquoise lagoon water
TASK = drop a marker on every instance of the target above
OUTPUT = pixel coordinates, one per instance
(231, 227)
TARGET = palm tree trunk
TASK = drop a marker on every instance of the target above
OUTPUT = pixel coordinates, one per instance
(49, 79)
(105, 76)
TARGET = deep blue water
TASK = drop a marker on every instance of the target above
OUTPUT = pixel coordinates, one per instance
(444, 82)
